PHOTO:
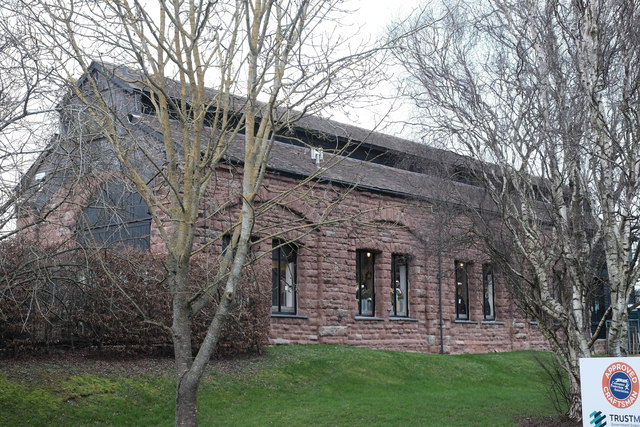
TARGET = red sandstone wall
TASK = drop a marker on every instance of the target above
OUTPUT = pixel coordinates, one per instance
(326, 264)
(327, 274)
(327, 267)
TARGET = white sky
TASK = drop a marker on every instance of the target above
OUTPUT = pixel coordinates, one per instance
(379, 13)
(373, 17)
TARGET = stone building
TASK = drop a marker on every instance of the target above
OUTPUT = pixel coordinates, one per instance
(366, 235)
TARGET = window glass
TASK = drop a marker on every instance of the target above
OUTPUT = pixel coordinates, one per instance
(462, 291)
(399, 285)
(488, 303)
(283, 277)
(226, 243)
(116, 215)
(365, 282)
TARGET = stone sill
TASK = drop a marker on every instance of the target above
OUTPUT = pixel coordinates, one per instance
(375, 319)
(492, 322)
(465, 322)
(402, 319)
(288, 316)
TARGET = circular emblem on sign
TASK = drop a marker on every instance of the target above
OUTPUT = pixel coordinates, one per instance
(620, 385)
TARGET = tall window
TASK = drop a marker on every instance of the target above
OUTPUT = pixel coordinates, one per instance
(116, 215)
(488, 292)
(226, 242)
(365, 281)
(556, 287)
(462, 291)
(399, 285)
(283, 277)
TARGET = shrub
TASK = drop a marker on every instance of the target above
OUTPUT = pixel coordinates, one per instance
(111, 300)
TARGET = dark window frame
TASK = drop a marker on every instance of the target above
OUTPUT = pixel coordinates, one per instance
(287, 253)
(488, 292)
(116, 216)
(462, 290)
(226, 242)
(366, 292)
(399, 296)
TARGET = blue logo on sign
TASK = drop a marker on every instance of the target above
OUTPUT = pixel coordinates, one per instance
(620, 385)
(598, 419)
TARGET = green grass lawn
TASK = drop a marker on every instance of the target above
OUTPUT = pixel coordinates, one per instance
(293, 385)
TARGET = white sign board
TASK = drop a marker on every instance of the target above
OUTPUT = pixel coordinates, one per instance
(610, 390)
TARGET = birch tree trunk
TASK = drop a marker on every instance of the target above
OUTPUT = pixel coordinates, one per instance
(543, 97)
(215, 73)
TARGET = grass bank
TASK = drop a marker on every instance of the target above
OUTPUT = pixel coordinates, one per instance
(294, 385)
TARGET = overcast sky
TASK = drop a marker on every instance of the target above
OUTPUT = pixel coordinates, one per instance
(373, 17)
(377, 14)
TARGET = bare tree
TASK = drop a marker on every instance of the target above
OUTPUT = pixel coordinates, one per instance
(547, 93)
(268, 64)
(25, 94)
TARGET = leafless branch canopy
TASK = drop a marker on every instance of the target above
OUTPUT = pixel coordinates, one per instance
(548, 92)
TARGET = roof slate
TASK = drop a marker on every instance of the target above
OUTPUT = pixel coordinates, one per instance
(296, 160)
